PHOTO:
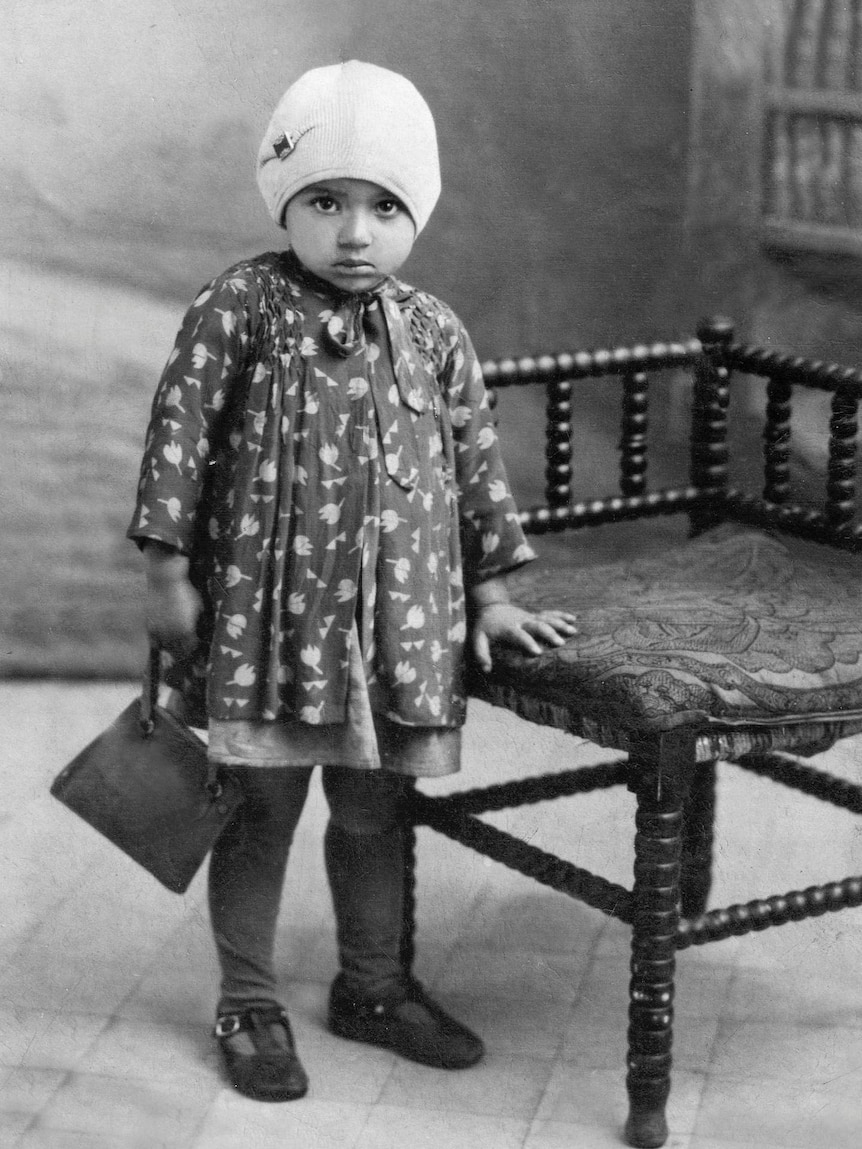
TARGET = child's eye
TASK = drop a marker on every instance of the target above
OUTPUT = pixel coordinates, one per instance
(324, 203)
(389, 207)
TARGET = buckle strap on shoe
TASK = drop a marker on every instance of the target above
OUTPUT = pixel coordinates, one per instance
(227, 1024)
(251, 1020)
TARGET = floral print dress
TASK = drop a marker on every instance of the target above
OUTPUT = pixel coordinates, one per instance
(330, 465)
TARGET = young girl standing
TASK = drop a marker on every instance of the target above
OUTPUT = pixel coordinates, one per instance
(322, 507)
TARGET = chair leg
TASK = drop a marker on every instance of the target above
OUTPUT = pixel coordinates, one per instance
(408, 927)
(697, 837)
(659, 769)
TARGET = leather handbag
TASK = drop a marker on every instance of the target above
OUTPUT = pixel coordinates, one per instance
(145, 783)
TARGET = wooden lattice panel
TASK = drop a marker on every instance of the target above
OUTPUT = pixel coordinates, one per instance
(812, 154)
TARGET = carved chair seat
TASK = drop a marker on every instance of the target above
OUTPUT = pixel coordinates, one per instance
(732, 633)
(740, 643)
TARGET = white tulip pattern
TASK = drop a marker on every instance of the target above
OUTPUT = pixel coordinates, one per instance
(315, 489)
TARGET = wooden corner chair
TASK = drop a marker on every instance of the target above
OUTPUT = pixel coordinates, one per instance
(741, 643)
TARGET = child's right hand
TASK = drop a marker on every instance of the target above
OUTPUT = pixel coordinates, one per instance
(173, 605)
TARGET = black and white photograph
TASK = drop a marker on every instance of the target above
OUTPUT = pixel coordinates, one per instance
(431, 621)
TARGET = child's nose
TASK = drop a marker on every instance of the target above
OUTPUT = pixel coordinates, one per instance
(355, 230)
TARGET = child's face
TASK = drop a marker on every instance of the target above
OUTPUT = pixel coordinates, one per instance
(351, 233)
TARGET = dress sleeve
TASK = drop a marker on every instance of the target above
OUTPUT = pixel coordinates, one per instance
(207, 355)
(492, 541)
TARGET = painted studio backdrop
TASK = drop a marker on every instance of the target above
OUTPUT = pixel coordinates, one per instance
(602, 170)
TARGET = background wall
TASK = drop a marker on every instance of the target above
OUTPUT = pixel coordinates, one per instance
(129, 130)
(806, 301)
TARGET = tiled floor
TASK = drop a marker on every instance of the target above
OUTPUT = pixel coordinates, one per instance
(107, 981)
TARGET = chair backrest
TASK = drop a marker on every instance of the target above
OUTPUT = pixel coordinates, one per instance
(833, 519)
(713, 365)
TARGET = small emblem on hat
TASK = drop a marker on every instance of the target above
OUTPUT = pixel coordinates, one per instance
(284, 145)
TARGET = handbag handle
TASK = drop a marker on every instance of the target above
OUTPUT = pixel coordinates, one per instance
(150, 691)
(149, 700)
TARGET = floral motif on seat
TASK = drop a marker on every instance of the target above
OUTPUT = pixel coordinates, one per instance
(732, 627)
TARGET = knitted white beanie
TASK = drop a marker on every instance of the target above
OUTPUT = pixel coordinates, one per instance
(351, 121)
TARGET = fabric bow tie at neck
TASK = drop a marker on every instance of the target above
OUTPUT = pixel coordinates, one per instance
(370, 316)
(344, 329)
(374, 318)
(370, 326)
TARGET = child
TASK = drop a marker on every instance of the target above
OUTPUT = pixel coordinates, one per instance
(322, 504)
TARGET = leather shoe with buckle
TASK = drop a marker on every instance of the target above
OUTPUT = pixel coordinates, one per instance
(406, 1021)
(271, 1070)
